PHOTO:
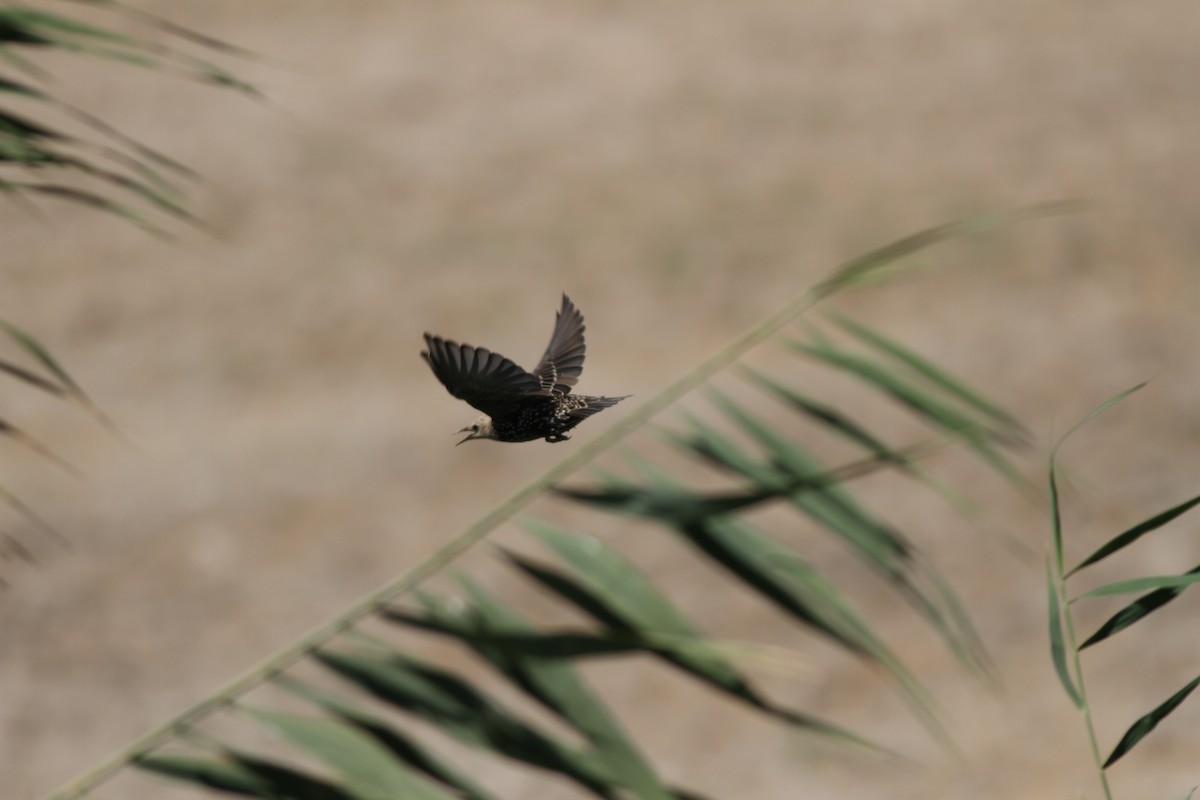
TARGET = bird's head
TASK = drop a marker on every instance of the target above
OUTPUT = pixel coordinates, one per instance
(479, 429)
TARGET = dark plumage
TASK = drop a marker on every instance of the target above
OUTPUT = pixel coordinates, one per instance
(520, 406)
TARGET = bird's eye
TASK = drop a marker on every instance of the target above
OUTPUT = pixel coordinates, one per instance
(475, 428)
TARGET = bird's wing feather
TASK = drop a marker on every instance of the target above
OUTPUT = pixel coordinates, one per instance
(488, 381)
(594, 405)
(562, 364)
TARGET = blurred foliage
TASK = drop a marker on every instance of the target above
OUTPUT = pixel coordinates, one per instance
(54, 149)
(50, 147)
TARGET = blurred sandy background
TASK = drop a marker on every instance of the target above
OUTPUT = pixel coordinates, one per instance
(680, 169)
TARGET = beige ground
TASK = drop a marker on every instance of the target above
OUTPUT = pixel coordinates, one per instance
(680, 169)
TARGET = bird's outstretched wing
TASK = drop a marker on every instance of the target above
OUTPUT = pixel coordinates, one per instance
(488, 381)
(562, 363)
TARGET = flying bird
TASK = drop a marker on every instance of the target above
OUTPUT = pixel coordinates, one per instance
(520, 406)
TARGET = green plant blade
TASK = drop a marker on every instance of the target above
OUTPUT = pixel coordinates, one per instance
(1056, 528)
(1136, 532)
(1142, 584)
(827, 416)
(928, 370)
(1138, 730)
(1058, 648)
(558, 686)
(921, 402)
(825, 502)
(248, 777)
(464, 713)
(367, 768)
(32, 378)
(222, 775)
(397, 743)
(27, 441)
(1135, 611)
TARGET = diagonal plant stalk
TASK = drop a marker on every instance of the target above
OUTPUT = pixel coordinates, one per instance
(872, 266)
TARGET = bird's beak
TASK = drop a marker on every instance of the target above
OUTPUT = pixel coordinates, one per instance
(470, 435)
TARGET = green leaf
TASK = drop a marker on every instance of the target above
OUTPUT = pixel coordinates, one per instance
(927, 369)
(31, 378)
(1136, 532)
(1142, 584)
(700, 658)
(828, 417)
(824, 502)
(1135, 611)
(368, 768)
(464, 712)
(937, 413)
(223, 775)
(397, 743)
(559, 687)
(1056, 528)
(35, 349)
(252, 777)
(1058, 649)
(1138, 730)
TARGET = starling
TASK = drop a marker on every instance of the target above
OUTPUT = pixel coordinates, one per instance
(520, 406)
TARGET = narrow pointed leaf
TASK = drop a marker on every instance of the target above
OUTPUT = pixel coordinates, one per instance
(465, 713)
(927, 369)
(558, 686)
(835, 509)
(1142, 584)
(397, 743)
(32, 378)
(829, 417)
(252, 777)
(1136, 532)
(211, 773)
(366, 767)
(1149, 722)
(18, 435)
(1138, 609)
(39, 352)
(922, 403)
(1058, 648)
(615, 580)
(1056, 528)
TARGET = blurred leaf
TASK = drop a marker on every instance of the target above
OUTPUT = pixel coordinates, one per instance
(923, 403)
(1142, 584)
(253, 777)
(1135, 611)
(1149, 722)
(1056, 529)
(31, 378)
(1136, 532)
(397, 743)
(826, 503)
(1058, 649)
(223, 775)
(464, 713)
(19, 436)
(367, 767)
(927, 369)
(663, 632)
(558, 686)
(828, 417)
